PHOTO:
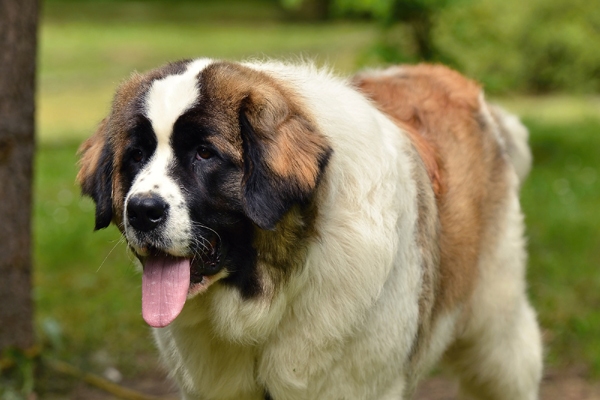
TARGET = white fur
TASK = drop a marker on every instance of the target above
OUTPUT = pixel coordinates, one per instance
(170, 97)
(518, 135)
(344, 325)
(511, 134)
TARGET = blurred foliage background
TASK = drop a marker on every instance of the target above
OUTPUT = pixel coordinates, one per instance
(537, 46)
(539, 58)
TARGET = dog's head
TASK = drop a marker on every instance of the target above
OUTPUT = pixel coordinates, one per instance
(192, 160)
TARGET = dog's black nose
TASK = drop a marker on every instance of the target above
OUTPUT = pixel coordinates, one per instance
(146, 212)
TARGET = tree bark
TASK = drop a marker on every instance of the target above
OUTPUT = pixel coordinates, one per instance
(18, 40)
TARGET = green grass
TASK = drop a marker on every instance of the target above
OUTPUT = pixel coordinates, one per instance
(86, 49)
(561, 202)
(85, 282)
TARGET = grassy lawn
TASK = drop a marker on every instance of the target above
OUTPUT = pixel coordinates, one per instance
(86, 49)
(561, 201)
(87, 291)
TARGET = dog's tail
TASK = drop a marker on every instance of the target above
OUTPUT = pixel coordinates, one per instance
(516, 136)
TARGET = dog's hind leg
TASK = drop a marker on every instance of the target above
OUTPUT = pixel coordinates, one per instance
(498, 355)
(504, 362)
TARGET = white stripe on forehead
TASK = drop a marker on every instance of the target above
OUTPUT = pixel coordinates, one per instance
(171, 96)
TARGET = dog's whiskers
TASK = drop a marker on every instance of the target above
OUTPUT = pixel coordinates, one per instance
(199, 225)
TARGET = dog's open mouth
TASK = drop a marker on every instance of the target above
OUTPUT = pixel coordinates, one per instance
(168, 281)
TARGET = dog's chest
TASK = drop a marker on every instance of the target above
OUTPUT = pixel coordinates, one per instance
(209, 368)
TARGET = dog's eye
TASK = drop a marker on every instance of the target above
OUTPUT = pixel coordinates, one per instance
(137, 155)
(204, 153)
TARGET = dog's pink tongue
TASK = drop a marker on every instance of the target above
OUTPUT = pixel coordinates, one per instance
(165, 285)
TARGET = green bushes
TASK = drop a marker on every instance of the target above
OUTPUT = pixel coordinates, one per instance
(561, 48)
(532, 46)
(537, 46)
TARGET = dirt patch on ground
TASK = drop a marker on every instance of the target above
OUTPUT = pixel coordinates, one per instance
(565, 384)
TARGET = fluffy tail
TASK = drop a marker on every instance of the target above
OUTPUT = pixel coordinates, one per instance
(516, 136)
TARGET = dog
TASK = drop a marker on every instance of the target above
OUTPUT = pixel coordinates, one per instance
(305, 236)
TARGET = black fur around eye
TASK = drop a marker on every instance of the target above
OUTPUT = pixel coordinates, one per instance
(204, 153)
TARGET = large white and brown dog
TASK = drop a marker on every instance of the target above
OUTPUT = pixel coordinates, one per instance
(308, 237)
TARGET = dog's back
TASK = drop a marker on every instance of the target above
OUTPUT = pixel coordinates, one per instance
(476, 156)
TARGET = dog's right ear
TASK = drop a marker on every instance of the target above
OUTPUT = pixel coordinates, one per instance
(284, 156)
(95, 174)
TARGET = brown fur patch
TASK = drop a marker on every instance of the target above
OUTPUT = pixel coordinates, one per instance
(89, 153)
(442, 107)
(280, 148)
(292, 144)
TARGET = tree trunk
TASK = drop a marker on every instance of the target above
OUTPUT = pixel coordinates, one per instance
(18, 39)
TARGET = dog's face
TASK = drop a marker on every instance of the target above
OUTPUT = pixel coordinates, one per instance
(193, 159)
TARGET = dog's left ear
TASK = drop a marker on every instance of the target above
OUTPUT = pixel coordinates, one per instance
(95, 174)
(284, 155)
